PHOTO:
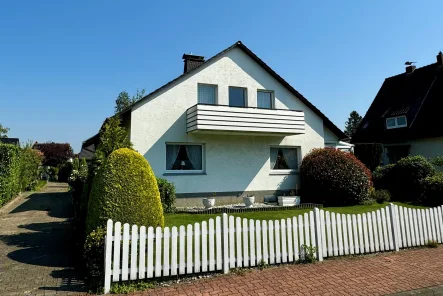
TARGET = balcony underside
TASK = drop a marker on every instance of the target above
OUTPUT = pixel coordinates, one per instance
(236, 120)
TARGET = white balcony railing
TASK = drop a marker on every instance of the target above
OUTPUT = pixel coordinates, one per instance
(226, 119)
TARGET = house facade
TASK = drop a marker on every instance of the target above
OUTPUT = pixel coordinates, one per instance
(228, 126)
(404, 114)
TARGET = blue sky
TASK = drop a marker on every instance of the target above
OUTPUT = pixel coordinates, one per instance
(62, 63)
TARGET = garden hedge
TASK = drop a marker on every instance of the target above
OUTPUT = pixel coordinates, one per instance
(9, 172)
(124, 189)
(18, 170)
(333, 177)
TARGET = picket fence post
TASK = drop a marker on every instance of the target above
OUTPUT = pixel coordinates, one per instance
(225, 236)
(108, 254)
(394, 226)
(318, 234)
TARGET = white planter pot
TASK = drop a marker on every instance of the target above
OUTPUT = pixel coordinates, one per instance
(209, 202)
(249, 201)
(288, 200)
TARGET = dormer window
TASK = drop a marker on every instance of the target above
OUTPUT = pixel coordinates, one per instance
(396, 122)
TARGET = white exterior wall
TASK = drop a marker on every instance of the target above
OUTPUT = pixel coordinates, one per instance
(231, 162)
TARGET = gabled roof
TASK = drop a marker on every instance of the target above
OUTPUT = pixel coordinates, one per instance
(417, 95)
(328, 123)
(12, 141)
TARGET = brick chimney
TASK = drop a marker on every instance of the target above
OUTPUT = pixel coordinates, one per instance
(410, 69)
(440, 59)
(192, 62)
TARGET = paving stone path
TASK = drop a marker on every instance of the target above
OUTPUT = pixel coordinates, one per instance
(381, 274)
(36, 244)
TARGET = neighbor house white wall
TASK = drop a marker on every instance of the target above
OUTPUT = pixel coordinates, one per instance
(428, 147)
(233, 162)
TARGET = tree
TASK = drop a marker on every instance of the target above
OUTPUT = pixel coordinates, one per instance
(352, 123)
(3, 131)
(123, 100)
(55, 154)
(112, 137)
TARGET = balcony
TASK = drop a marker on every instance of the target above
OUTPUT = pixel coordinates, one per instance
(229, 120)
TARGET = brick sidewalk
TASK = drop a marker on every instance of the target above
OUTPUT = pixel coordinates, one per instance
(369, 275)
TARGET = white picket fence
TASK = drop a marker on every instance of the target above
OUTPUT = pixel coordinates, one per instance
(229, 242)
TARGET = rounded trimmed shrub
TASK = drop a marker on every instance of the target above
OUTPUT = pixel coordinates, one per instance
(333, 177)
(432, 190)
(407, 175)
(124, 189)
(383, 177)
(381, 196)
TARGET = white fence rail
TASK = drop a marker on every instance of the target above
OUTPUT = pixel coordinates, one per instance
(229, 242)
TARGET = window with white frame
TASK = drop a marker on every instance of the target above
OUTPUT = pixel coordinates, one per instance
(396, 122)
(207, 94)
(264, 99)
(184, 157)
(284, 158)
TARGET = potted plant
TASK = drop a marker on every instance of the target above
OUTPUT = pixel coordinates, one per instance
(248, 200)
(289, 200)
(209, 202)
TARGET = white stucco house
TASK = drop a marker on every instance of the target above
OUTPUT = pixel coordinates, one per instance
(227, 126)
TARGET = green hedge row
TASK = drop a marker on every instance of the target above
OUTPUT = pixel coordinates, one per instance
(18, 170)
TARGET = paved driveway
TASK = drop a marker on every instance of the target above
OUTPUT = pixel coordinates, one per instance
(368, 275)
(36, 244)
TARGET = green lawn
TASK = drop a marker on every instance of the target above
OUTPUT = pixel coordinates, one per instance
(184, 219)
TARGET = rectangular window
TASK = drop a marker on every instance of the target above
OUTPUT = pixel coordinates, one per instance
(396, 122)
(207, 94)
(264, 99)
(284, 158)
(237, 96)
(184, 157)
(395, 153)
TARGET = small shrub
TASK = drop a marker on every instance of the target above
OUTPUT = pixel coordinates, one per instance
(409, 172)
(93, 254)
(432, 190)
(381, 196)
(431, 244)
(334, 177)
(383, 177)
(125, 189)
(167, 194)
(307, 254)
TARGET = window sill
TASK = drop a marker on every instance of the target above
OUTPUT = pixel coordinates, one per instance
(183, 173)
(284, 172)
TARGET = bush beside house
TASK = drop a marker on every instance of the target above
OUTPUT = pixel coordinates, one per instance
(411, 179)
(333, 177)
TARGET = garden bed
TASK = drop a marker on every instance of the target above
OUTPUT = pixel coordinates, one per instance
(241, 208)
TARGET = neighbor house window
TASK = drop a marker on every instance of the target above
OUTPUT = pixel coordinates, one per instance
(184, 157)
(284, 158)
(395, 153)
(264, 99)
(237, 96)
(396, 122)
(207, 94)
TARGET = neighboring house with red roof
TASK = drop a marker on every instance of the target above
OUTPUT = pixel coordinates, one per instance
(404, 115)
(229, 125)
